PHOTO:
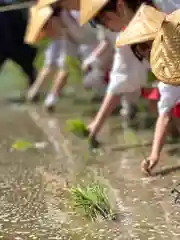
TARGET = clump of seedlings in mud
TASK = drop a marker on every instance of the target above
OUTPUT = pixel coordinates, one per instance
(79, 128)
(92, 200)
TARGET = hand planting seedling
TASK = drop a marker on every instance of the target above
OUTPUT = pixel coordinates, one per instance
(92, 201)
(79, 128)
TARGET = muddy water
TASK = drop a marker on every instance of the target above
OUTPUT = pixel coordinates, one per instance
(35, 202)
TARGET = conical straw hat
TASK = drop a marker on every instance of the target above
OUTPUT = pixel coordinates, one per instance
(38, 18)
(44, 3)
(143, 27)
(165, 53)
(67, 4)
(89, 9)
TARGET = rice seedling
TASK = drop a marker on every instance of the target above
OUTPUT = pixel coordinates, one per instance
(74, 69)
(77, 127)
(92, 201)
(23, 145)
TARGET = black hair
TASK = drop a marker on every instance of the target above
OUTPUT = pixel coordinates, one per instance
(56, 10)
(111, 6)
(131, 4)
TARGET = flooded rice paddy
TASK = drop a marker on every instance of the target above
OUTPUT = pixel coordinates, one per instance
(34, 199)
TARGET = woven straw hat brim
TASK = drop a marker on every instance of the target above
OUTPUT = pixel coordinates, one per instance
(44, 3)
(38, 17)
(89, 9)
(143, 27)
(165, 53)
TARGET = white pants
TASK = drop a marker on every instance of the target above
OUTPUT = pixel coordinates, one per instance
(58, 50)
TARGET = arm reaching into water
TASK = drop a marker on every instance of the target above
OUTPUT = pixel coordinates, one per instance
(95, 55)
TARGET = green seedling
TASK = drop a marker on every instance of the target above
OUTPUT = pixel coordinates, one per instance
(77, 127)
(92, 201)
(74, 69)
(23, 145)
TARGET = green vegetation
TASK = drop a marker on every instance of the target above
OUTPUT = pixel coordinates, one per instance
(77, 127)
(92, 201)
(22, 145)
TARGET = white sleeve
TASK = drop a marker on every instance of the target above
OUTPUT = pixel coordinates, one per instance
(101, 35)
(118, 76)
(170, 95)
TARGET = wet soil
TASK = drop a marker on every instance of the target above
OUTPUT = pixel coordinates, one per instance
(35, 202)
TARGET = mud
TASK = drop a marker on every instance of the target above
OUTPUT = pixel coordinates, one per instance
(35, 202)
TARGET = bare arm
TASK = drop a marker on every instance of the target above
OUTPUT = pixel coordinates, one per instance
(97, 53)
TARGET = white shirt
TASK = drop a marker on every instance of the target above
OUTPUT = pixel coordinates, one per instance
(170, 96)
(104, 33)
(167, 6)
(128, 73)
(105, 59)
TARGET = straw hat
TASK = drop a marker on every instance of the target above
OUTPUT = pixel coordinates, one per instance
(150, 24)
(165, 53)
(38, 18)
(67, 4)
(44, 3)
(89, 9)
(143, 27)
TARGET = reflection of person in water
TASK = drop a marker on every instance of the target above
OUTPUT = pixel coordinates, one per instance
(12, 46)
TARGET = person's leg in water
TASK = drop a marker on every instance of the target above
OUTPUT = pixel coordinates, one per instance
(69, 49)
(42, 78)
(59, 83)
(49, 69)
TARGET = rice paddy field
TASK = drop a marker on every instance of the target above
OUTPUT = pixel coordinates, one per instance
(52, 186)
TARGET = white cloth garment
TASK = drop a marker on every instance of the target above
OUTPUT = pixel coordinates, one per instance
(128, 73)
(81, 34)
(79, 46)
(53, 53)
(79, 43)
(100, 64)
(170, 96)
(58, 50)
(167, 6)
